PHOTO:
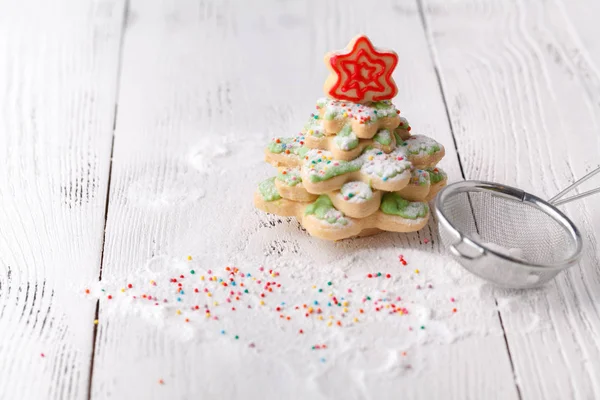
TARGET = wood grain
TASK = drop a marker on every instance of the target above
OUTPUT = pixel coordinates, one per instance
(58, 75)
(523, 99)
(217, 73)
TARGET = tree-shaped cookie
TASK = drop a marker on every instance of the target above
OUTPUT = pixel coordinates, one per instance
(355, 168)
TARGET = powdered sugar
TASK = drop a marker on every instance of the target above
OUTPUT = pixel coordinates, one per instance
(356, 192)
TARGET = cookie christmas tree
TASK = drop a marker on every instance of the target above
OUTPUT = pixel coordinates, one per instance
(355, 168)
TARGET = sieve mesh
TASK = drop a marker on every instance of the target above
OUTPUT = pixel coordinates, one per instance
(485, 218)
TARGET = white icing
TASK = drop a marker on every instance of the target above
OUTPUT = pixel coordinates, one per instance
(338, 109)
(356, 192)
(384, 137)
(372, 162)
(338, 216)
(419, 177)
(314, 127)
(319, 162)
(346, 142)
(419, 144)
(413, 210)
(385, 166)
(290, 176)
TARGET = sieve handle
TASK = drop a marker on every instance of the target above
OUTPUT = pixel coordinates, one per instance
(555, 201)
(456, 252)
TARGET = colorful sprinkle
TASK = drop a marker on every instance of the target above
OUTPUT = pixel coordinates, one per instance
(234, 286)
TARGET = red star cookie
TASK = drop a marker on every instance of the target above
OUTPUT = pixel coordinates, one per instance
(361, 73)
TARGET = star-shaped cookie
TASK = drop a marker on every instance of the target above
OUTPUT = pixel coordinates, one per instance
(361, 73)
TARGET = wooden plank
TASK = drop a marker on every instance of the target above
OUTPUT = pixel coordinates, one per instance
(204, 86)
(58, 74)
(523, 98)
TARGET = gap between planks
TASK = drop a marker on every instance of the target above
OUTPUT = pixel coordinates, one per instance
(436, 68)
(125, 18)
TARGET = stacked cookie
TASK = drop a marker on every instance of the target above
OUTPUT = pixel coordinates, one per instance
(355, 169)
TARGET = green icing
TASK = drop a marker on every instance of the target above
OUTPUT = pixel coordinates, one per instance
(332, 168)
(330, 114)
(268, 191)
(384, 166)
(346, 139)
(275, 147)
(313, 127)
(324, 210)
(429, 150)
(302, 151)
(420, 177)
(291, 143)
(436, 174)
(382, 105)
(320, 166)
(398, 138)
(421, 144)
(356, 192)
(290, 178)
(383, 137)
(393, 204)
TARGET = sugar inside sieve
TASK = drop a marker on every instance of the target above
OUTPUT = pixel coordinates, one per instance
(507, 236)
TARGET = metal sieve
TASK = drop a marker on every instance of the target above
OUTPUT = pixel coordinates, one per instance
(506, 236)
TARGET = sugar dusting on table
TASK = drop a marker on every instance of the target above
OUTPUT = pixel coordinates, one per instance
(366, 313)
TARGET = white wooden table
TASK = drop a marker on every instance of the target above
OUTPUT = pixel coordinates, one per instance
(107, 111)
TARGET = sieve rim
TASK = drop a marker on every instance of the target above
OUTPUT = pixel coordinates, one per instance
(515, 194)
